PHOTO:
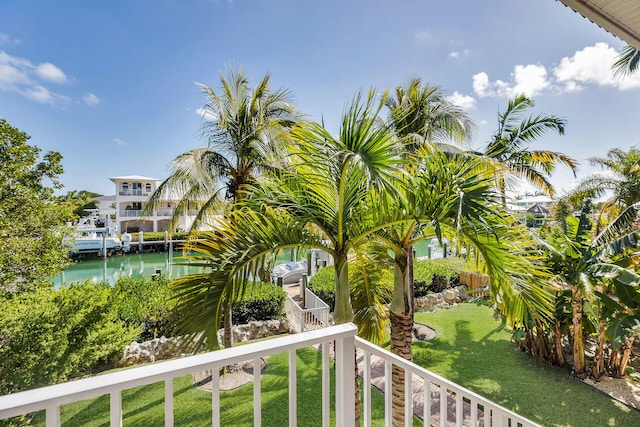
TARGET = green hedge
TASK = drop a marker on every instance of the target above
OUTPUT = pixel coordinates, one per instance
(261, 301)
(323, 284)
(145, 304)
(436, 275)
(49, 336)
(430, 276)
(153, 236)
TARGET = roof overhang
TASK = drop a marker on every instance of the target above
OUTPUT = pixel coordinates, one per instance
(619, 17)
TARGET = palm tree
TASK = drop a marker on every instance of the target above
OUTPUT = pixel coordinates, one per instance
(421, 114)
(623, 179)
(320, 198)
(244, 136)
(627, 62)
(335, 194)
(509, 146)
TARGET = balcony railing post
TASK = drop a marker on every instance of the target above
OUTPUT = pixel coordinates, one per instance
(115, 417)
(53, 416)
(345, 381)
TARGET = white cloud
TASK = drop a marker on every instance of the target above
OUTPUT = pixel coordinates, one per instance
(48, 71)
(44, 96)
(456, 54)
(591, 65)
(5, 39)
(20, 75)
(120, 142)
(528, 79)
(422, 37)
(463, 101)
(91, 100)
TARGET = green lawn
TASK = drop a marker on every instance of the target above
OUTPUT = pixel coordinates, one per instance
(471, 348)
(474, 350)
(143, 406)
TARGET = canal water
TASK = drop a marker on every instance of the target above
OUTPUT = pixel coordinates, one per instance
(147, 264)
(132, 265)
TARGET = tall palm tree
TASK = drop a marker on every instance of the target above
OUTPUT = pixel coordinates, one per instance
(623, 179)
(335, 194)
(509, 146)
(244, 137)
(421, 114)
(321, 198)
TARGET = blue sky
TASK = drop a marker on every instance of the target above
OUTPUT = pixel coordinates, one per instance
(112, 85)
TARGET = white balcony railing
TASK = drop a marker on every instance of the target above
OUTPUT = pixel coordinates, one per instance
(315, 315)
(460, 406)
(132, 213)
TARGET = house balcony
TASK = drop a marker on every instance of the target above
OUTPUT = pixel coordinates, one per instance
(136, 213)
(437, 401)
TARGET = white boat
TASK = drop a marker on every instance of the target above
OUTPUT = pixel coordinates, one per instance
(290, 272)
(92, 237)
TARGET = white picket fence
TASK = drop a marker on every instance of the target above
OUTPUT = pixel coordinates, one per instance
(315, 315)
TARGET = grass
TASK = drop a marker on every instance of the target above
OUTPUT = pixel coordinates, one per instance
(475, 351)
(143, 406)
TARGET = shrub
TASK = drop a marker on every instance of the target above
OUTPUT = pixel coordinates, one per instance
(323, 284)
(145, 304)
(261, 301)
(158, 236)
(49, 336)
(436, 275)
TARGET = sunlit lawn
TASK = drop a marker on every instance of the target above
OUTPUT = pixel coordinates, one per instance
(474, 350)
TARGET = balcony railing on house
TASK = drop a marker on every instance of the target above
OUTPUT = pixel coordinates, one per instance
(133, 213)
(445, 402)
(134, 193)
(313, 316)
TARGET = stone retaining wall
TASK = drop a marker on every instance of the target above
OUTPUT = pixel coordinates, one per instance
(167, 348)
(446, 298)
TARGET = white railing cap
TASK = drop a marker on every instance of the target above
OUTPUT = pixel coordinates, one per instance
(41, 398)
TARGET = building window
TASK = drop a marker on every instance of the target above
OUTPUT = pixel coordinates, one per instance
(125, 189)
(147, 188)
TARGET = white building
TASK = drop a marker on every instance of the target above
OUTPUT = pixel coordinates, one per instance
(132, 193)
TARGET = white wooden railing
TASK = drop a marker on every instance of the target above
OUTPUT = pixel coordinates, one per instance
(447, 395)
(315, 315)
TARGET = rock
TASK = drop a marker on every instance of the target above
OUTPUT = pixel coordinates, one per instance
(167, 348)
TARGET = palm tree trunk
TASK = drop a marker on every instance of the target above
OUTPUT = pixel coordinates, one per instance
(557, 333)
(543, 345)
(626, 355)
(228, 324)
(597, 370)
(342, 311)
(401, 317)
(578, 339)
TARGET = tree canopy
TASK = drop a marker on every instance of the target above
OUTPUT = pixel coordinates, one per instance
(32, 225)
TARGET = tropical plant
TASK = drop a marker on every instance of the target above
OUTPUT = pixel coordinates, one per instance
(421, 115)
(623, 179)
(245, 134)
(581, 262)
(627, 61)
(509, 147)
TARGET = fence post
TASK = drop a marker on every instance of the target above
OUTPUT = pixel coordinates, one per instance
(345, 355)
(303, 290)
